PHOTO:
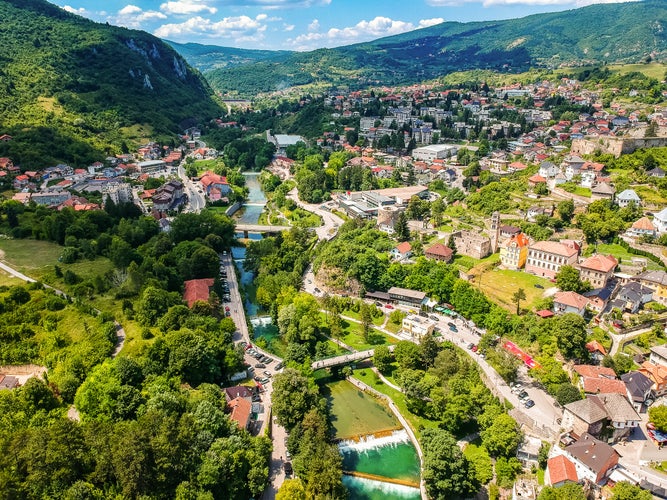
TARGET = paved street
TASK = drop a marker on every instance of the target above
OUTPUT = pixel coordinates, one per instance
(331, 222)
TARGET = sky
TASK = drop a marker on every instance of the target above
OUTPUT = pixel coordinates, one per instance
(299, 24)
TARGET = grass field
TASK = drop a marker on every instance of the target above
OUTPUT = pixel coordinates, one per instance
(500, 284)
(355, 413)
(352, 337)
(416, 422)
(653, 70)
(355, 315)
(650, 195)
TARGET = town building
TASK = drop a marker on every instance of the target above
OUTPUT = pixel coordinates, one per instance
(627, 196)
(656, 281)
(642, 227)
(196, 290)
(514, 251)
(117, 192)
(402, 251)
(660, 221)
(416, 326)
(473, 245)
(407, 297)
(560, 470)
(240, 412)
(151, 166)
(215, 186)
(439, 252)
(639, 389)
(570, 302)
(658, 375)
(598, 269)
(545, 258)
(50, 198)
(593, 459)
(435, 151)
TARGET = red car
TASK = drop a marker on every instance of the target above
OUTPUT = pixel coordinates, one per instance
(226, 308)
(389, 306)
(474, 348)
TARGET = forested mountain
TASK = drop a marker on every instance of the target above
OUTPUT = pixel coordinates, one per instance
(625, 32)
(210, 57)
(73, 90)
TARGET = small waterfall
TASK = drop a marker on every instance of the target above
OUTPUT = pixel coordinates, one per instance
(387, 490)
(261, 321)
(371, 442)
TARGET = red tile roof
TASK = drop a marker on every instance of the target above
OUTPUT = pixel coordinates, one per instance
(603, 386)
(545, 313)
(241, 409)
(561, 469)
(404, 247)
(571, 299)
(595, 371)
(644, 223)
(439, 250)
(601, 263)
(595, 346)
(197, 290)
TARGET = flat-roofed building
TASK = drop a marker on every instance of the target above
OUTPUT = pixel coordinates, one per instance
(435, 151)
(407, 297)
(417, 326)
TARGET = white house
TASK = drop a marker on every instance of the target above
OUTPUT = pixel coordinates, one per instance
(627, 196)
(660, 221)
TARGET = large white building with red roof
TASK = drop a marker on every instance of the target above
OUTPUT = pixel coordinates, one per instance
(545, 258)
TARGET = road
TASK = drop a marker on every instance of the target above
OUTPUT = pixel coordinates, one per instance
(278, 433)
(196, 199)
(330, 222)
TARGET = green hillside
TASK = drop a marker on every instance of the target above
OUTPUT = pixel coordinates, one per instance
(627, 32)
(72, 90)
(210, 57)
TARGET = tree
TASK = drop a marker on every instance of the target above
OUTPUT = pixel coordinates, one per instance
(570, 332)
(506, 471)
(569, 491)
(568, 280)
(293, 396)
(407, 354)
(429, 349)
(565, 210)
(447, 472)
(517, 297)
(366, 320)
(502, 437)
(382, 359)
(292, 489)
(627, 491)
(437, 209)
(567, 393)
(451, 244)
(401, 227)
(658, 417)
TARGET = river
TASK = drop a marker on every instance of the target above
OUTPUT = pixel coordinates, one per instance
(379, 459)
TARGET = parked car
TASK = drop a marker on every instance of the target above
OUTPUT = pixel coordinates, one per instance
(523, 395)
(389, 306)
(474, 348)
(453, 328)
(267, 373)
(434, 317)
(470, 346)
(537, 285)
(260, 365)
(265, 381)
(529, 404)
(280, 365)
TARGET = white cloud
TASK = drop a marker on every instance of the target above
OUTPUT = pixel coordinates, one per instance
(425, 23)
(362, 31)
(288, 27)
(240, 28)
(80, 11)
(186, 7)
(489, 3)
(132, 16)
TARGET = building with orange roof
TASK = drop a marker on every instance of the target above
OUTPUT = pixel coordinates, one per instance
(545, 258)
(514, 251)
(560, 470)
(598, 269)
(592, 385)
(241, 409)
(195, 290)
(570, 302)
(658, 374)
(210, 181)
(596, 350)
(642, 227)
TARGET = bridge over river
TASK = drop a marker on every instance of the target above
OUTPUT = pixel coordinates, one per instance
(346, 358)
(259, 228)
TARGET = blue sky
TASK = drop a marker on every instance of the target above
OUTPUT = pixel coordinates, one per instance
(299, 24)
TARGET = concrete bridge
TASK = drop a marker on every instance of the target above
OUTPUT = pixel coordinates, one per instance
(346, 358)
(259, 228)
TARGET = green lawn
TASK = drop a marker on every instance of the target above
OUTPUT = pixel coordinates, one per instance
(29, 255)
(417, 423)
(355, 315)
(650, 195)
(356, 413)
(500, 284)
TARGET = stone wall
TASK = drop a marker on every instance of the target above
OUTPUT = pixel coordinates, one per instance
(616, 146)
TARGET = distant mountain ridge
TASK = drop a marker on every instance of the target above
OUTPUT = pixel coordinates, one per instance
(602, 33)
(72, 90)
(210, 57)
